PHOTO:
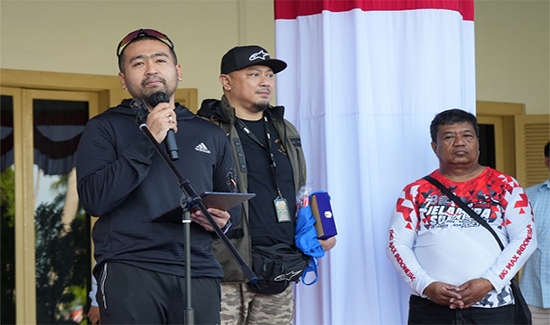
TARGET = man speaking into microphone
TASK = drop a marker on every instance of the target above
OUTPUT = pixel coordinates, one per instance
(124, 182)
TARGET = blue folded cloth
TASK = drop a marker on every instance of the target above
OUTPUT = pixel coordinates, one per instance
(307, 242)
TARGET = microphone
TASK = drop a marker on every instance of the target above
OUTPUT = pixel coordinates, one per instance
(170, 140)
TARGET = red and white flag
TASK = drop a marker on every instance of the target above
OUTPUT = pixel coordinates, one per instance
(364, 80)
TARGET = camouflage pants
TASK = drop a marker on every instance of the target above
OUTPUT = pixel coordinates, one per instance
(240, 305)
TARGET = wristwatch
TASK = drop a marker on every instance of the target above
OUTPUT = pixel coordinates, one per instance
(227, 226)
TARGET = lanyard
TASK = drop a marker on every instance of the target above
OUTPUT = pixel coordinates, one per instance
(268, 149)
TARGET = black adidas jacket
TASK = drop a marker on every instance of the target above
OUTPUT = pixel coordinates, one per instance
(124, 181)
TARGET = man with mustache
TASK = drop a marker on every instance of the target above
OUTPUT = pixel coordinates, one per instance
(455, 267)
(270, 162)
(124, 181)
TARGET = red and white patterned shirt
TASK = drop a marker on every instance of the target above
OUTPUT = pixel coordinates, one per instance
(432, 239)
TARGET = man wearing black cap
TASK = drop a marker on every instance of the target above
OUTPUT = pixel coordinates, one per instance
(270, 162)
(124, 181)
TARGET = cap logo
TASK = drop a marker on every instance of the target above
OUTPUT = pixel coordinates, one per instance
(259, 55)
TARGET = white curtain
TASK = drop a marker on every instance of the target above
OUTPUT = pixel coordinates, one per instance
(363, 82)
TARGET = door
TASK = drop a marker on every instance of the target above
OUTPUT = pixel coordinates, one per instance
(51, 232)
(497, 137)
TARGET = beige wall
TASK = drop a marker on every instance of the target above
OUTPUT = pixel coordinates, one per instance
(81, 36)
(512, 52)
(512, 40)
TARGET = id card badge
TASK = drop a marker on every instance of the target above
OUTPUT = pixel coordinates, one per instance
(281, 206)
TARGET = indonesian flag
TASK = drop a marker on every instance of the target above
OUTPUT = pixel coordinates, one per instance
(364, 80)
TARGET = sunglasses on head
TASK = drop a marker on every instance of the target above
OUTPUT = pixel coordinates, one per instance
(141, 33)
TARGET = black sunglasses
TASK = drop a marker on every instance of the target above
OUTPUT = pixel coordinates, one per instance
(141, 33)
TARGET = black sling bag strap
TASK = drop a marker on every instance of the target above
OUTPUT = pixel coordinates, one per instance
(464, 207)
(522, 314)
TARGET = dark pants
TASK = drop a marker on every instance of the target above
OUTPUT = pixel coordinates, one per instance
(131, 295)
(424, 311)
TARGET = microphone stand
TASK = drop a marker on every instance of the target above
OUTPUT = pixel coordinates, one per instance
(189, 199)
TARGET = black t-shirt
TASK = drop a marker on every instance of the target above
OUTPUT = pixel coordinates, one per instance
(264, 226)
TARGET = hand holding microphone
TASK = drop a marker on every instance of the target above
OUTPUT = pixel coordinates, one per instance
(167, 118)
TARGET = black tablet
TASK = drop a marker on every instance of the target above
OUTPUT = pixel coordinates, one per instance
(217, 200)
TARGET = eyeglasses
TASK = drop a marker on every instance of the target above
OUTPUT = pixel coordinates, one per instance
(141, 33)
